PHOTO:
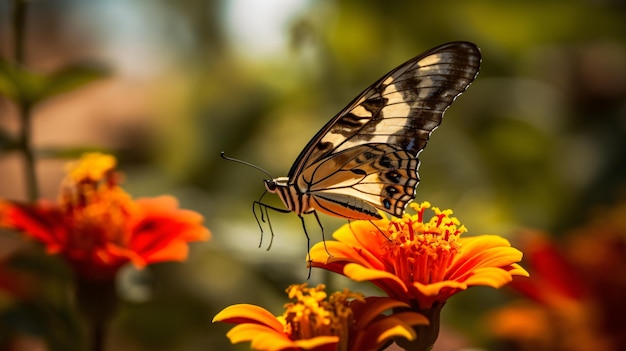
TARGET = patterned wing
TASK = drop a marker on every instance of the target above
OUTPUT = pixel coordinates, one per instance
(354, 183)
(402, 108)
(365, 158)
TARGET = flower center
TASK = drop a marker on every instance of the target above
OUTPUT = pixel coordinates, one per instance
(98, 209)
(422, 251)
(314, 315)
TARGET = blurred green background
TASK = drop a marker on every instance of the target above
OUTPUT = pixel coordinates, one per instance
(537, 141)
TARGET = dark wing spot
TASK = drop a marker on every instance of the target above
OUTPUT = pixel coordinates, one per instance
(358, 171)
(391, 190)
(374, 103)
(352, 121)
(393, 176)
(325, 146)
(387, 203)
(385, 162)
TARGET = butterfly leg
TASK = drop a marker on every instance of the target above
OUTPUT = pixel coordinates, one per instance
(322, 229)
(264, 211)
(269, 223)
(380, 230)
(256, 217)
(308, 239)
(308, 244)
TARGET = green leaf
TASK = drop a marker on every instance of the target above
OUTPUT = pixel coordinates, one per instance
(71, 78)
(26, 87)
(71, 152)
(17, 83)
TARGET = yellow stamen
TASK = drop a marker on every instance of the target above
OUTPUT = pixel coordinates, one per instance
(92, 166)
(97, 207)
(313, 314)
(422, 251)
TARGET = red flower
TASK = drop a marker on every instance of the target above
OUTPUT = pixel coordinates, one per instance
(575, 292)
(555, 281)
(417, 260)
(98, 228)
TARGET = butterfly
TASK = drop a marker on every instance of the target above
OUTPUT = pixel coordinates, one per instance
(365, 159)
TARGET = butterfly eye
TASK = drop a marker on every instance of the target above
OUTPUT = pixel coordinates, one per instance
(270, 185)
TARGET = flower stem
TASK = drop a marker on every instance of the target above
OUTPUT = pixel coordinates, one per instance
(28, 154)
(97, 301)
(24, 105)
(426, 334)
(97, 336)
(19, 21)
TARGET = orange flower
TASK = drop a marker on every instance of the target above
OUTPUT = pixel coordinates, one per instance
(555, 280)
(419, 262)
(344, 321)
(575, 292)
(98, 228)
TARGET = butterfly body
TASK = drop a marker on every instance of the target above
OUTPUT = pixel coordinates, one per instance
(365, 159)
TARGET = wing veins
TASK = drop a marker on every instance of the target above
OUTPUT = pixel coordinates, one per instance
(340, 169)
(454, 68)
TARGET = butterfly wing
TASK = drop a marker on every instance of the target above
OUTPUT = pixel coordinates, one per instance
(365, 158)
(354, 183)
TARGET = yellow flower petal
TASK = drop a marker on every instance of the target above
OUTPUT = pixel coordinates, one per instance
(359, 273)
(318, 321)
(434, 289)
(392, 329)
(516, 269)
(260, 336)
(490, 276)
(325, 252)
(245, 313)
(376, 306)
(317, 341)
(398, 325)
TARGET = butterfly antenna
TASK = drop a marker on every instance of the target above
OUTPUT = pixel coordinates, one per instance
(223, 155)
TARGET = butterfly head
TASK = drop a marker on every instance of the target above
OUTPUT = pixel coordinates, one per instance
(272, 184)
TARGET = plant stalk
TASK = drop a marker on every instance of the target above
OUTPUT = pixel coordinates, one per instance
(24, 103)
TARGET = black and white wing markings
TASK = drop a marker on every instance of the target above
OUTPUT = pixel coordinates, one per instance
(370, 177)
(401, 108)
(365, 159)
